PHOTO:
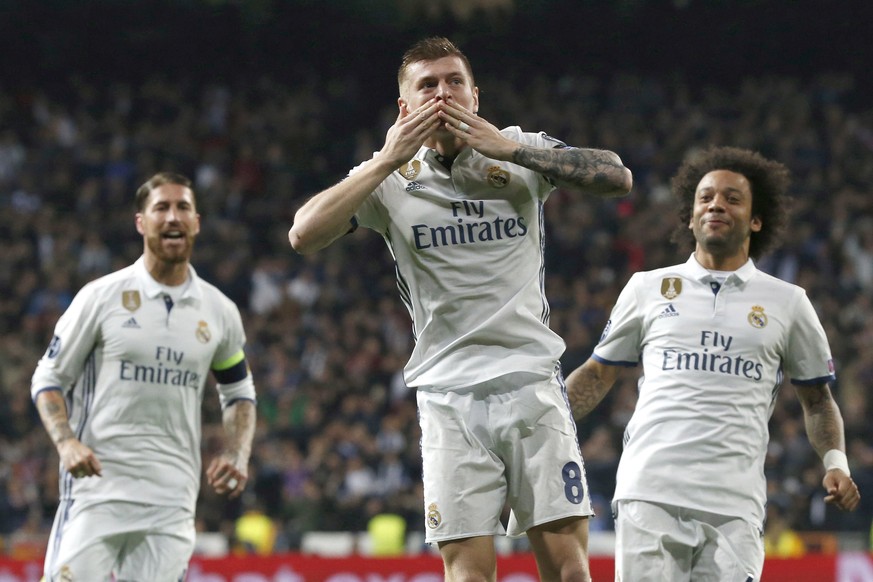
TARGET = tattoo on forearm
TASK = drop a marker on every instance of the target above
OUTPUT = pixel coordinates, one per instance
(596, 170)
(54, 417)
(239, 426)
(585, 391)
(824, 424)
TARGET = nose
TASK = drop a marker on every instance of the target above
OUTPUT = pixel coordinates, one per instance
(716, 202)
(443, 91)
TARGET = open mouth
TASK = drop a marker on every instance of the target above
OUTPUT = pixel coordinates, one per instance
(173, 235)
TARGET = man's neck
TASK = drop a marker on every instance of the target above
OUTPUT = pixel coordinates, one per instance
(719, 262)
(170, 274)
(448, 147)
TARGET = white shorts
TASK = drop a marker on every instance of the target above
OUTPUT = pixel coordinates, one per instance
(656, 542)
(135, 542)
(496, 444)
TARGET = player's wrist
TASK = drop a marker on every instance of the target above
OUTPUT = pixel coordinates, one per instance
(836, 459)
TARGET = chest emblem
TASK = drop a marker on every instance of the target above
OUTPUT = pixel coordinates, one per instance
(757, 318)
(202, 333)
(671, 287)
(410, 170)
(497, 177)
(131, 300)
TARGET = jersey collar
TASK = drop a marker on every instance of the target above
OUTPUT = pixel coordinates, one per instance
(430, 155)
(741, 276)
(152, 288)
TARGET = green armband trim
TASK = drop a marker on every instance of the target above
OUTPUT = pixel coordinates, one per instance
(230, 362)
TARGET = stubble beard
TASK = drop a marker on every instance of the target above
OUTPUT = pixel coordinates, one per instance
(722, 245)
(174, 257)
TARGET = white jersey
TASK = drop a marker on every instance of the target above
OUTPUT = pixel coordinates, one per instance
(713, 360)
(468, 245)
(132, 364)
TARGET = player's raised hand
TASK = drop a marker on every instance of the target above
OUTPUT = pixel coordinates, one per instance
(842, 490)
(479, 134)
(410, 131)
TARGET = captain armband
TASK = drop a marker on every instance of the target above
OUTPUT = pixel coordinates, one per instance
(234, 369)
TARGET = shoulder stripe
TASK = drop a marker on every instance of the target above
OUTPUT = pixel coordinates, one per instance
(612, 363)
(814, 381)
(45, 389)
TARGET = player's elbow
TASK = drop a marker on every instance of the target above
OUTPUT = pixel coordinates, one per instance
(627, 181)
(623, 183)
(301, 243)
(307, 237)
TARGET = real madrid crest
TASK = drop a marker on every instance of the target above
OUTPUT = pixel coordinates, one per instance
(410, 170)
(498, 177)
(131, 300)
(433, 516)
(202, 333)
(757, 317)
(671, 287)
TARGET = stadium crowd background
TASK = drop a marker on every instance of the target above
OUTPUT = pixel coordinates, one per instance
(265, 103)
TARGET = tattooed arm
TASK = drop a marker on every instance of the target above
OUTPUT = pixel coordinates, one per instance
(76, 457)
(824, 428)
(229, 472)
(598, 172)
(824, 424)
(588, 384)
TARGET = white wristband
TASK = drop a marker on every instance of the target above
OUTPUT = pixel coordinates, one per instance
(836, 459)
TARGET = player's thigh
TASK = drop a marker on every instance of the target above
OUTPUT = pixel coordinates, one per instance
(161, 554)
(464, 482)
(733, 550)
(469, 559)
(561, 549)
(545, 470)
(84, 543)
(652, 544)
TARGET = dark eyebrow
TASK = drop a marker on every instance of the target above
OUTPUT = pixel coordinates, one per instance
(729, 189)
(451, 74)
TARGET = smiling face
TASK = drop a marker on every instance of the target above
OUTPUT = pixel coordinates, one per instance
(446, 78)
(169, 224)
(722, 219)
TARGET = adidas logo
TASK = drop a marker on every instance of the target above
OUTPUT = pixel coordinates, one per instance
(414, 186)
(131, 323)
(669, 311)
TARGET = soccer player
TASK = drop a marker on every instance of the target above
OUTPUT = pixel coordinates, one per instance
(460, 205)
(119, 391)
(715, 336)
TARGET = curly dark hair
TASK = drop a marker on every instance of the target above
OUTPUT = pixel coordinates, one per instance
(768, 180)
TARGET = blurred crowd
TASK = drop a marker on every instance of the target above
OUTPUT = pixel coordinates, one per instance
(338, 439)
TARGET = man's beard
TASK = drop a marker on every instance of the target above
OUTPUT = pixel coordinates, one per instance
(723, 245)
(182, 255)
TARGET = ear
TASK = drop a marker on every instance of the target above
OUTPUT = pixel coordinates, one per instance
(139, 226)
(476, 100)
(402, 106)
(756, 225)
(196, 224)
